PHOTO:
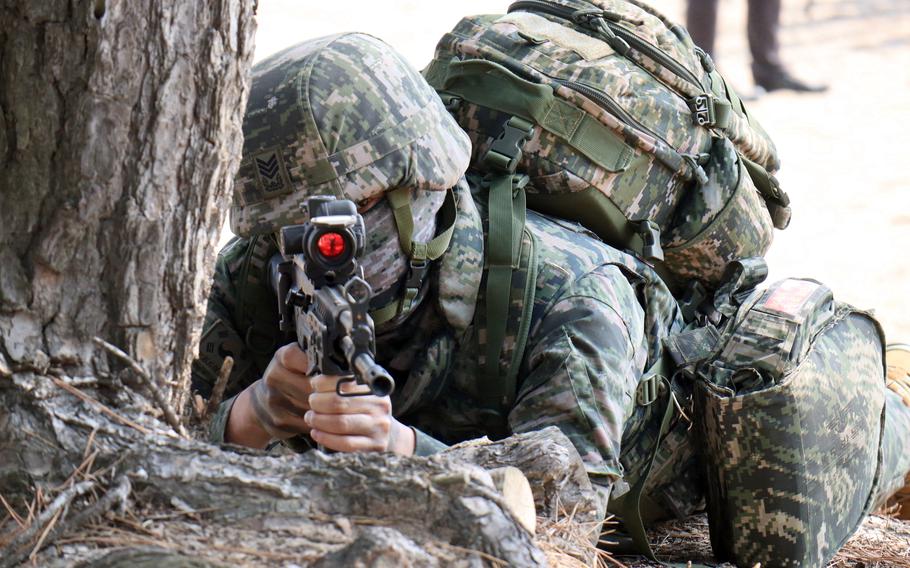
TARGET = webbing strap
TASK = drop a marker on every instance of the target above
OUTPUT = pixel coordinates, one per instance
(419, 254)
(776, 199)
(630, 507)
(507, 210)
(400, 200)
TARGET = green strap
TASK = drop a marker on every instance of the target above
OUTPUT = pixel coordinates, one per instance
(400, 199)
(630, 506)
(507, 209)
(419, 254)
(524, 326)
(776, 199)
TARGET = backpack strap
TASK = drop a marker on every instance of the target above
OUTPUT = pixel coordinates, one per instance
(507, 215)
(506, 227)
(653, 384)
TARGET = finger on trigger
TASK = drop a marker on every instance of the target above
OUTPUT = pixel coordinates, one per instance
(324, 383)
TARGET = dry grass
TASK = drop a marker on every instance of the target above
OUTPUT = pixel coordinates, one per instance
(881, 542)
(571, 544)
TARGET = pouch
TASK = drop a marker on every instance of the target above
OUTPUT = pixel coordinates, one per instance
(791, 413)
(718, 222)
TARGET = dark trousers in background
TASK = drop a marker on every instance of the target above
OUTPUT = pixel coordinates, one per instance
(763, 25)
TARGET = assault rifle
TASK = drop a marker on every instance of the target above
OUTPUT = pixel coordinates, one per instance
(322, 294)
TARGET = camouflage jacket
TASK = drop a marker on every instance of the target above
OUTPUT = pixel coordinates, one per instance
(597, 322)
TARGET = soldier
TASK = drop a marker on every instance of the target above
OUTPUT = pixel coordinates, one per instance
(346, 116)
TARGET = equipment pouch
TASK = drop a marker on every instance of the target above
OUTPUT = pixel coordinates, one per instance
(791, 413)
(718, 222)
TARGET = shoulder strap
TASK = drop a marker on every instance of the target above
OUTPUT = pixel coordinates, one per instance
(257, 310)
(507, 215)
(420, 255)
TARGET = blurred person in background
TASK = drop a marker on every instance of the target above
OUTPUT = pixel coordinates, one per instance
(768, 71)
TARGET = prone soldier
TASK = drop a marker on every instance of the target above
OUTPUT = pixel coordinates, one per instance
(346, 116)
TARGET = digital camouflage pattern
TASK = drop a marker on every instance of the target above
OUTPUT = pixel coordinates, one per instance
(648, 160)
(599, 319)
(342, 115)
(895, 471)
(597, 322)
(792, 411)
(722, 220)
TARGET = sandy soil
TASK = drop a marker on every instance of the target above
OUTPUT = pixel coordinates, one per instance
(845, 152)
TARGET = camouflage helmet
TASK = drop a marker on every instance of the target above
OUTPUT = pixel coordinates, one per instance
(343, 115)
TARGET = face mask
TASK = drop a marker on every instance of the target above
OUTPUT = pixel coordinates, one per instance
(384, 262)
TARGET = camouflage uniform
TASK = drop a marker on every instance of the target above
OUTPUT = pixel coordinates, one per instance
(598, 320)
(590, 338)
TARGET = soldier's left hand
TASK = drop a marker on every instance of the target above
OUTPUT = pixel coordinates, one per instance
(355, 423)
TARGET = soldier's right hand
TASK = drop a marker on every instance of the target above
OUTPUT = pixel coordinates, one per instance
(273, 407)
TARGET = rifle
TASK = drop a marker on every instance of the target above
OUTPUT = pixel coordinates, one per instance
(323, 296)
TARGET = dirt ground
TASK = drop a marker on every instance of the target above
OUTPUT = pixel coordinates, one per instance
(845, 152)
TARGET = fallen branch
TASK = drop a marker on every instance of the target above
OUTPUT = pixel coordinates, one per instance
(116, 495)
(100, 407)
(10, 555)
(169, 415)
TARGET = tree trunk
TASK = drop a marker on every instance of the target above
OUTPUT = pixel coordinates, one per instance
(119, 136)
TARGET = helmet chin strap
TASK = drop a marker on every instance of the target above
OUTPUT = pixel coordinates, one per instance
(420, 255)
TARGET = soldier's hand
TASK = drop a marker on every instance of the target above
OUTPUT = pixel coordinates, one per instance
(273, 407)
(355, 423)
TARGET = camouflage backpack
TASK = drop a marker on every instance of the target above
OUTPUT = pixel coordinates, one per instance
(620, 123)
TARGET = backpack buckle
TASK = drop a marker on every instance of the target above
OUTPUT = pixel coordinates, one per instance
(648, 390)
(506, 150)
(702, 108)
(649, 232)
(710, 112)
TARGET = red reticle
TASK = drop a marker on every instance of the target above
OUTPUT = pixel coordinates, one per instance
(331, 245)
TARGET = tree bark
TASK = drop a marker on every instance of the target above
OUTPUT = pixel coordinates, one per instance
(435, 511)
(119, 136)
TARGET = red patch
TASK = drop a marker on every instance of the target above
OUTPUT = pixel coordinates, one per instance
(790, 296)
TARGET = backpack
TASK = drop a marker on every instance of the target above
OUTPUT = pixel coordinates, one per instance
(613, 118)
